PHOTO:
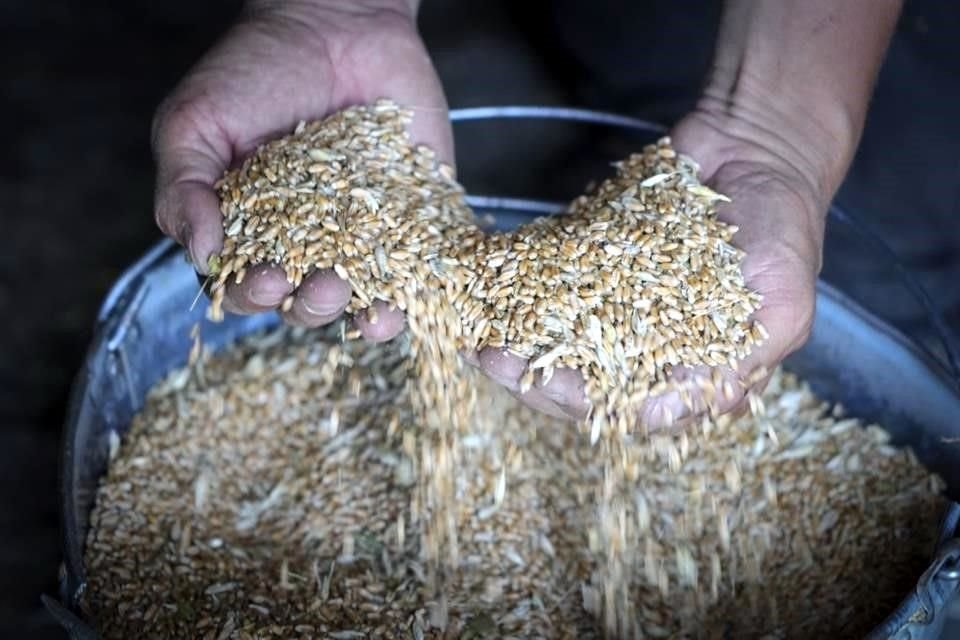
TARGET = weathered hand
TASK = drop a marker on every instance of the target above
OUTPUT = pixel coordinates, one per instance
(778, 202)
(282, 63)
(775, 130)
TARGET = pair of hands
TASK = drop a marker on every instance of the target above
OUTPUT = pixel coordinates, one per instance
(299, 61)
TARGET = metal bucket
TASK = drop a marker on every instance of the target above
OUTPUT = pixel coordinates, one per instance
(852, 357)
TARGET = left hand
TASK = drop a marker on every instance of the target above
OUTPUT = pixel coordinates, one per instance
(775, 130)
(779, 199)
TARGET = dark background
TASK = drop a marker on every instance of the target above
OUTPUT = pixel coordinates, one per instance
(80, 82)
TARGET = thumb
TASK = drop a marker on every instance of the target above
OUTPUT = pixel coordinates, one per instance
(186, 207)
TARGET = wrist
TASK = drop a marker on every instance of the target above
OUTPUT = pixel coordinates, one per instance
(806, 132)
(795, 77)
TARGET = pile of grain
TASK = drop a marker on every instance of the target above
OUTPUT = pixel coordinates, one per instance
(264, 492)
(637, 278)
(392, 500)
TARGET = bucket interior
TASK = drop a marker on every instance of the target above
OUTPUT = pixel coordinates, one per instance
(143, 332)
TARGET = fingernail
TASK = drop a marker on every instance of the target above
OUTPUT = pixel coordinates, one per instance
(501, 379)
(565, 387)
(322, 309)
(471, 358)
(564, 399)
(574, 413)
(262, 296)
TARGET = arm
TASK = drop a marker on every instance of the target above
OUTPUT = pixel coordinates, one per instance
(776, 130)
(798, 75)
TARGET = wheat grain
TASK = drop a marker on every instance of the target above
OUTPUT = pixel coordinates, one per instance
(307, 532)
(637, 278)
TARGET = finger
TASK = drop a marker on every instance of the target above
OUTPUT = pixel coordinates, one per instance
(786, 313)
(264, 287)
(693, 392)
(566, 389)
(186, 207)
(506, 369)
(381, 322)
(189, 213)
(229, 307)
(704, 391)
(741, 409)
(760, 386)
(535, 399)
(665, 411)
(320, 299)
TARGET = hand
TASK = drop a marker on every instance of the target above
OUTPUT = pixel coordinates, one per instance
(779, 201)
(779, 197)
(282, 63)
(776, 130)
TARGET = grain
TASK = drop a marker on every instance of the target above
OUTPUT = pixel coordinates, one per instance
(351, 194)
(305, 529)
(637, 279)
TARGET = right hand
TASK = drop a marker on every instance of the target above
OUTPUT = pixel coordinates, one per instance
(284, 62)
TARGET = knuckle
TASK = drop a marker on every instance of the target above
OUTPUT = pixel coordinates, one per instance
(161, 123)
(177, 120)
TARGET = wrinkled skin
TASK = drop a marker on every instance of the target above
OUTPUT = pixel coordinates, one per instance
(273, 69)
(278, 66)
(781, 230)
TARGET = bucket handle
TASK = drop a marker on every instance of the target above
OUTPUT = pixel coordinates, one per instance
(76, 628)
